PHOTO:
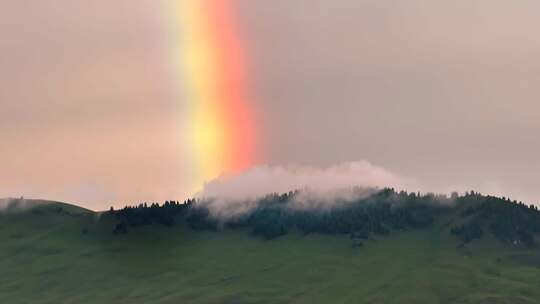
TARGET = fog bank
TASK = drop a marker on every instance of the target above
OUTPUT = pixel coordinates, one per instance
(322, 187)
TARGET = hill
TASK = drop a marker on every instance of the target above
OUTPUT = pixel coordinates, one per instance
(21, 205)
(63, 254)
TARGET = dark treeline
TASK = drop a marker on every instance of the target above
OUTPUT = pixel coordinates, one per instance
(379, 213)
(509, 221)
(145, 214)
(471, 216)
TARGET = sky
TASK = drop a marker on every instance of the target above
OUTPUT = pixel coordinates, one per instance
(96, 107)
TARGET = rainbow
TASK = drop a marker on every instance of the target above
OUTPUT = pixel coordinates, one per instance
(222, 120)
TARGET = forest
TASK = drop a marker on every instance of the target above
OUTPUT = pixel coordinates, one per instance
(469, 217)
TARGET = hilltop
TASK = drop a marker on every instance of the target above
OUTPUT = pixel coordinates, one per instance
(21, 205)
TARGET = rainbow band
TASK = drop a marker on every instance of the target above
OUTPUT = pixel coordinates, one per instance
(214, 60)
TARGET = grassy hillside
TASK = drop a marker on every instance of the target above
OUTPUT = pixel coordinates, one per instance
(63, 254)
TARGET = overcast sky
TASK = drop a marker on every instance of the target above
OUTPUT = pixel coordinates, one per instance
(445, 92)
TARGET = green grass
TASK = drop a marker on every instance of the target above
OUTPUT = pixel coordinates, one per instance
(46, 258)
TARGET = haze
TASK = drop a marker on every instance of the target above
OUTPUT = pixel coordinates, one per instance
(443, 92)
